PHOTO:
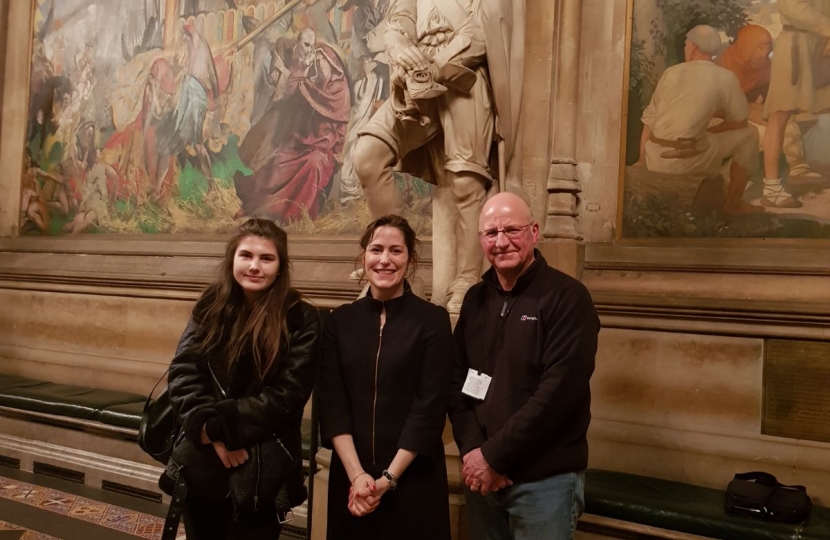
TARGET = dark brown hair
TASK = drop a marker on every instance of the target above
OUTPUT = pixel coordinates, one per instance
(230, 326)
(413, 245)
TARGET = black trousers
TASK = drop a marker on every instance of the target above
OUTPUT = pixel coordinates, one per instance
(208, 519)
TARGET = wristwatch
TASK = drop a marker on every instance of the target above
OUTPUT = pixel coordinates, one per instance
(393, 480)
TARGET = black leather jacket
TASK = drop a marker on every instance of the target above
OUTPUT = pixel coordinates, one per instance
(251, 411)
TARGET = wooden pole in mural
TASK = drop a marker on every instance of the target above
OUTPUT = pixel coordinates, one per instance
(169, 23)
(267, 22)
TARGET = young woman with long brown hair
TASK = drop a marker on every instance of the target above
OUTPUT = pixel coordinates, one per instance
(243, 372)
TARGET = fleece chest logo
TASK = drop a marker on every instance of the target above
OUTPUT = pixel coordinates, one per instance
(528, 318)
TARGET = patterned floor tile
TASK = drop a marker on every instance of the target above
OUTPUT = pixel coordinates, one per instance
(34, 535)
(121, 519)
(6, 526)
(88, 510)
(58, 502)
(150, 530)
(8, 487)
(29, 494)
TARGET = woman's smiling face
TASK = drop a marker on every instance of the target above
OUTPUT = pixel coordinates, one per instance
(385, 263)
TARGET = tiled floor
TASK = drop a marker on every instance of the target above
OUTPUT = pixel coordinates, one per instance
(36, 507)
(70, 509)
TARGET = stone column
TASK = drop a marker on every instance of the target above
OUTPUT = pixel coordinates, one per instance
(561, 228)
(562, 214)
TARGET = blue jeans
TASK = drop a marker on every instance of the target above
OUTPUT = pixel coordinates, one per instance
(543, 510)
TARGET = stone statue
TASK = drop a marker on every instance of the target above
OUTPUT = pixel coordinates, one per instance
(445, 110)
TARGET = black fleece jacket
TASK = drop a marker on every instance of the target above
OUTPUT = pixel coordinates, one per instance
(538, 342)
(387, 389)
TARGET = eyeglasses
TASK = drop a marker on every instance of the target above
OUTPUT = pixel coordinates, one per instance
(512, 231)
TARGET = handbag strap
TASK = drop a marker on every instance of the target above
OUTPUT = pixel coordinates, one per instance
(759, 477)
(174, 513)
(153, 391)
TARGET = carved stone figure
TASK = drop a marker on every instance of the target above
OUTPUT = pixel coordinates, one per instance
(445, 110)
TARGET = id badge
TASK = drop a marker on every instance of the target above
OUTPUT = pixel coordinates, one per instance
(476, 385)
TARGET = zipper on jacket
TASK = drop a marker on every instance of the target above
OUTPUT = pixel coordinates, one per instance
(505, 309)
(375, 399)
(258, 474)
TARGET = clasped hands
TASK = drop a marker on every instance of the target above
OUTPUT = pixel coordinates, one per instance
(479, 477)
(229, 458)
(365, 494)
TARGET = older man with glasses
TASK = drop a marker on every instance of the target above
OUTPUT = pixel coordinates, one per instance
(526, 340)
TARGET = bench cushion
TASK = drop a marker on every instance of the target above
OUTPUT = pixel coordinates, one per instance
(59, 399)
(686, 508)
(126, 415)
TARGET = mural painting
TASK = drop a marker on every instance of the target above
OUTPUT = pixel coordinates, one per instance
(728, 120)
(186, 116)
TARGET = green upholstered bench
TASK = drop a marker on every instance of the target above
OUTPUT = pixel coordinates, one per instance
(676, 506)
(84, 408)
(55, 400)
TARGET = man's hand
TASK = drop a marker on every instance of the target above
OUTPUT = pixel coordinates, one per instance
(230, 458)
(278, 68)
(478, 475)
(826, 51)
(410, 58)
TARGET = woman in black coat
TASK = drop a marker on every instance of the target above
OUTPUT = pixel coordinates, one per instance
(242, 374)
(384, 390)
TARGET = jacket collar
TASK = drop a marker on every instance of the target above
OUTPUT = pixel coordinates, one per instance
(392, 306)
(490, 277)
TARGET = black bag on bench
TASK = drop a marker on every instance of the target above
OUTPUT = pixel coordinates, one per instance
(759, 494)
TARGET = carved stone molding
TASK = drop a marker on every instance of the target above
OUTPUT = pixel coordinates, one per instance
(171, 267)
(768, 290)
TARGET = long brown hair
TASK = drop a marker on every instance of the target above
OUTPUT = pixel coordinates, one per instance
(230, 326)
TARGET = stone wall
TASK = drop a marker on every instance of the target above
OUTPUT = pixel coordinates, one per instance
(678, 390)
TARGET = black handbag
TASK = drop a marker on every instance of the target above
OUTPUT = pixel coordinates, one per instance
(759, 494)
(159, 428)
(270, 477)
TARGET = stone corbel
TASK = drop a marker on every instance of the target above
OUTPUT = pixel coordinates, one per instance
(563, 185)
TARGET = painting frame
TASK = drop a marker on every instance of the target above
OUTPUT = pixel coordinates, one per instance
(622, 239)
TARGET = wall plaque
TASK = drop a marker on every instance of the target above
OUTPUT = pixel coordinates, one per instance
(796, 383)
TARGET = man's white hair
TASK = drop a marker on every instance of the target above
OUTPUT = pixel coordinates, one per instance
(706, 38)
